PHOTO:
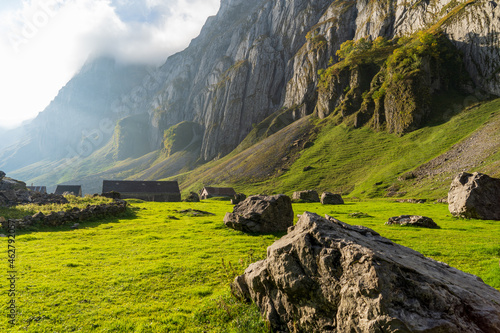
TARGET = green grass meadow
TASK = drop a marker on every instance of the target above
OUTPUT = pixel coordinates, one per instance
(158, 269)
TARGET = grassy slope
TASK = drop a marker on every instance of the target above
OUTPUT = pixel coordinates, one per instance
(347, 160)
(154, 273)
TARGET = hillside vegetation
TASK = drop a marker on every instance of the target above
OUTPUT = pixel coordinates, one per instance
(362, 162)
(164, 270)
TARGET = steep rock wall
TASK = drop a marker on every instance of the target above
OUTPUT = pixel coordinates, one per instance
(255, 57)
(472, 27)
(234, 74)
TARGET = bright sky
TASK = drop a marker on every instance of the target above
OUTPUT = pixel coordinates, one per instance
(43, 43)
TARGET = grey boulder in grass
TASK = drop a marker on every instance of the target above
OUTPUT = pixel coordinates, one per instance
(414, 221)
(327, 276)
(475, 196)
(261, 214)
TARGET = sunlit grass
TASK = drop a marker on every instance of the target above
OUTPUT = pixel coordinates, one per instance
(164, 271)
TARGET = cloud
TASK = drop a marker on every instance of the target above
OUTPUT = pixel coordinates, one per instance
(44, 42)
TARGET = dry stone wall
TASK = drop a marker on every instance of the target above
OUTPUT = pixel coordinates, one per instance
(56, 219)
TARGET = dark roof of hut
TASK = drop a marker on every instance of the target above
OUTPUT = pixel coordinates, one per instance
(41, 189)
(222, 191)
(134, 186)
(61, 189)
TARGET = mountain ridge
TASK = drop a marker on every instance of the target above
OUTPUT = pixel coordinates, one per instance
(258, 62)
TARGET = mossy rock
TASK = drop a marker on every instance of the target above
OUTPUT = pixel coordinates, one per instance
(183, 136)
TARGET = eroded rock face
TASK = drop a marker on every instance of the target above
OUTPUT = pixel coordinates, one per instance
(328, 198)
(261, 214)
(475, 196)
(327, 276)
(414, 221)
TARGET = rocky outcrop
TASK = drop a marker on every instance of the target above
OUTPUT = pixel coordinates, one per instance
(328, 198)
(413, 221)
(327, 276)
(12, 191)
(48, 198)
(475, 196)
(261, 214)
(306, 196)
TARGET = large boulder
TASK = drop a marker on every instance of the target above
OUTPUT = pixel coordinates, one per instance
(306, 196)
(261, 214)
(413, 221)
(475, 196)
(327, 276)
(7, 184)
(13, 192)
(328, 198)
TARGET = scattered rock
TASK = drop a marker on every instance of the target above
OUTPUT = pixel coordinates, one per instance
(261, 214)
(3, 236)
(193, 197)
(328, 198)
(38, 217)
(407, 176)
(414, 201)
(475, 196)
(194, 212)
(359, 215)
(47, 198)
(414, 221)
(75, 226)
(327, 276)
(442, 200)
(306, 196)
(238, 197)
(2, 174)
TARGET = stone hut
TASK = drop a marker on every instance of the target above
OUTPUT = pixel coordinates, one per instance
(38, 189)
(144, 190)
(76, 190)
(210, 192)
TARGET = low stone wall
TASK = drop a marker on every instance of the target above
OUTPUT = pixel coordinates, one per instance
(73, 215)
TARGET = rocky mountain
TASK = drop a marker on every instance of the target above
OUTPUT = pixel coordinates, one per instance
(266, 64)
(79, 120)
(256, 57)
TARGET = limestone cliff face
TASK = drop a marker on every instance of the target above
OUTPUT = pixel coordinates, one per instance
(234, 74)
(257, 56)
